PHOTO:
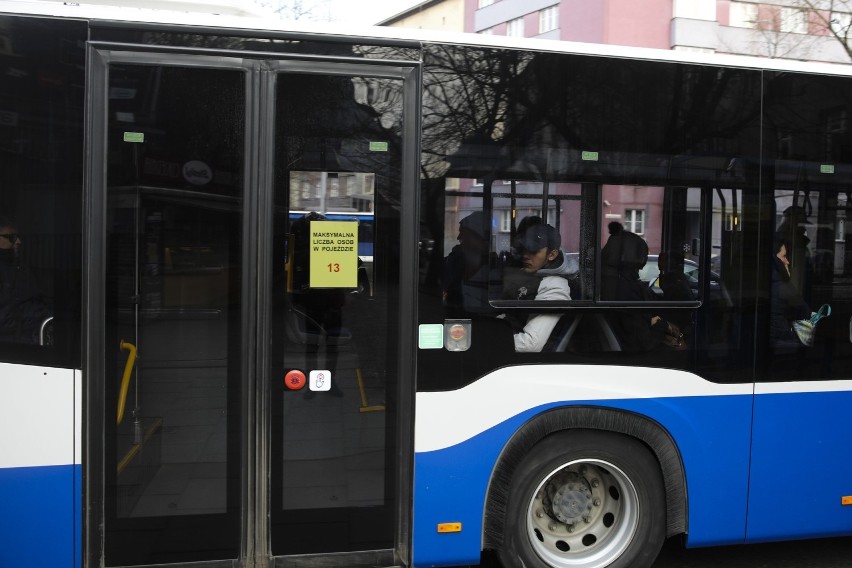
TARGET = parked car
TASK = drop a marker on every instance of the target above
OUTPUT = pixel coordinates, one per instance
(650, 273)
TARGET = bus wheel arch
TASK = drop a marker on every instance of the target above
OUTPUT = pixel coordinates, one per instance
(584, 426)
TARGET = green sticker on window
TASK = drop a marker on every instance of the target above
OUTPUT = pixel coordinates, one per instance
(431, 336)
(826, 169)
(378, 146)
(590, 156)
(136, 137)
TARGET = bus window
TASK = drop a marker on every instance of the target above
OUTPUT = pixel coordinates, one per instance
(41, 143)
(490, 227)
(484, 226)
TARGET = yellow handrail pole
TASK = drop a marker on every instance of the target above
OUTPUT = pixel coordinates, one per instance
(364, 406)
(125, 378)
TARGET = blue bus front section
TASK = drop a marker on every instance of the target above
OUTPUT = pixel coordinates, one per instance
(451, 482)
(40, 524)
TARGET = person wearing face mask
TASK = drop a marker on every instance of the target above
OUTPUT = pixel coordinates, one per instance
(541, 257)
(22, 306)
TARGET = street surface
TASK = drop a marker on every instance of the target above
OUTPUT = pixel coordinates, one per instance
(823, 553)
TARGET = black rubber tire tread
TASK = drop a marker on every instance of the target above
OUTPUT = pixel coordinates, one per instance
(628, 454)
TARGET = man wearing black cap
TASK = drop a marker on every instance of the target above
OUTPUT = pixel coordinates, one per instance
(541, 256)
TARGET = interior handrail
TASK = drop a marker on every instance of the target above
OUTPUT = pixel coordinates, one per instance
(41, 331)
(125, 378)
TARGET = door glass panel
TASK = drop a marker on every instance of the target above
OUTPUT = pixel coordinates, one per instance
(335, 286)
(174, 269)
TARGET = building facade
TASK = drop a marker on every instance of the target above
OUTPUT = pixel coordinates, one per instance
(442, 15)
(789, 29)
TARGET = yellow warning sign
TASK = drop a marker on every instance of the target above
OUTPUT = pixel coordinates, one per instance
(334, 254)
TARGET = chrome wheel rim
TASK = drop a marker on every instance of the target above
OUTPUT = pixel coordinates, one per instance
(583, 513)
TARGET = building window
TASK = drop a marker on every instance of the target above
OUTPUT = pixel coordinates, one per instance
(488, 31)
(840, 24)
(548, 19)
(793, 21)
(505, 216)
(695, 9)
(515, 28)
(506, 220)
(634, 220)
(743, 15)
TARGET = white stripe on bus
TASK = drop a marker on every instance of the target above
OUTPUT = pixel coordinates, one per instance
(448, 418)
(37, 416)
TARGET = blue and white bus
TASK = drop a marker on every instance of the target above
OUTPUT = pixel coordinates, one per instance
(190, 374)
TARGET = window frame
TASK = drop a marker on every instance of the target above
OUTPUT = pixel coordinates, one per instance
(630, 219)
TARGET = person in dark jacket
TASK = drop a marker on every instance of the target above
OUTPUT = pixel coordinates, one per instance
(470, 269)
(787, 304)
(23, 308)
(622, 257)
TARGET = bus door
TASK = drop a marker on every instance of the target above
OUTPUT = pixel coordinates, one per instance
(244, 351)
(337, 302)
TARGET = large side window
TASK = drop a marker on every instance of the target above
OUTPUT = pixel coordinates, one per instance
(41, 164)
(806, 247)
(578, 201)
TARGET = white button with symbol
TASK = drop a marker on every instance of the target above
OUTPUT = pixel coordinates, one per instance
(320, 380)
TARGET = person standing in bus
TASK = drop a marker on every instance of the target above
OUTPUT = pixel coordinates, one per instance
(793, 231)
(787, 304)
(22, 306)
(541, 256)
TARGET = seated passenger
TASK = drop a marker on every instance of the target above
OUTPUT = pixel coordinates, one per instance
(469, 268)
(541, 257)
(675, 286)
(622, 257)
(517, 283)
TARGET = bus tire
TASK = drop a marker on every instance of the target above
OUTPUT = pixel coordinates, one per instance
(585, 499)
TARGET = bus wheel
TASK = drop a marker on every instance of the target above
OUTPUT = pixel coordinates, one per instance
(584, 499)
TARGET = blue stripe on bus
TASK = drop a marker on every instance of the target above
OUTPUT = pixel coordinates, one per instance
(40, 516)
(711, 433)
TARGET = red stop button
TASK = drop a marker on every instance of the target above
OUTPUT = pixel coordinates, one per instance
(294, 380)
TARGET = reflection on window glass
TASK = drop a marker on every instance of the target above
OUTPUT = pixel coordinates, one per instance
(173, 289)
